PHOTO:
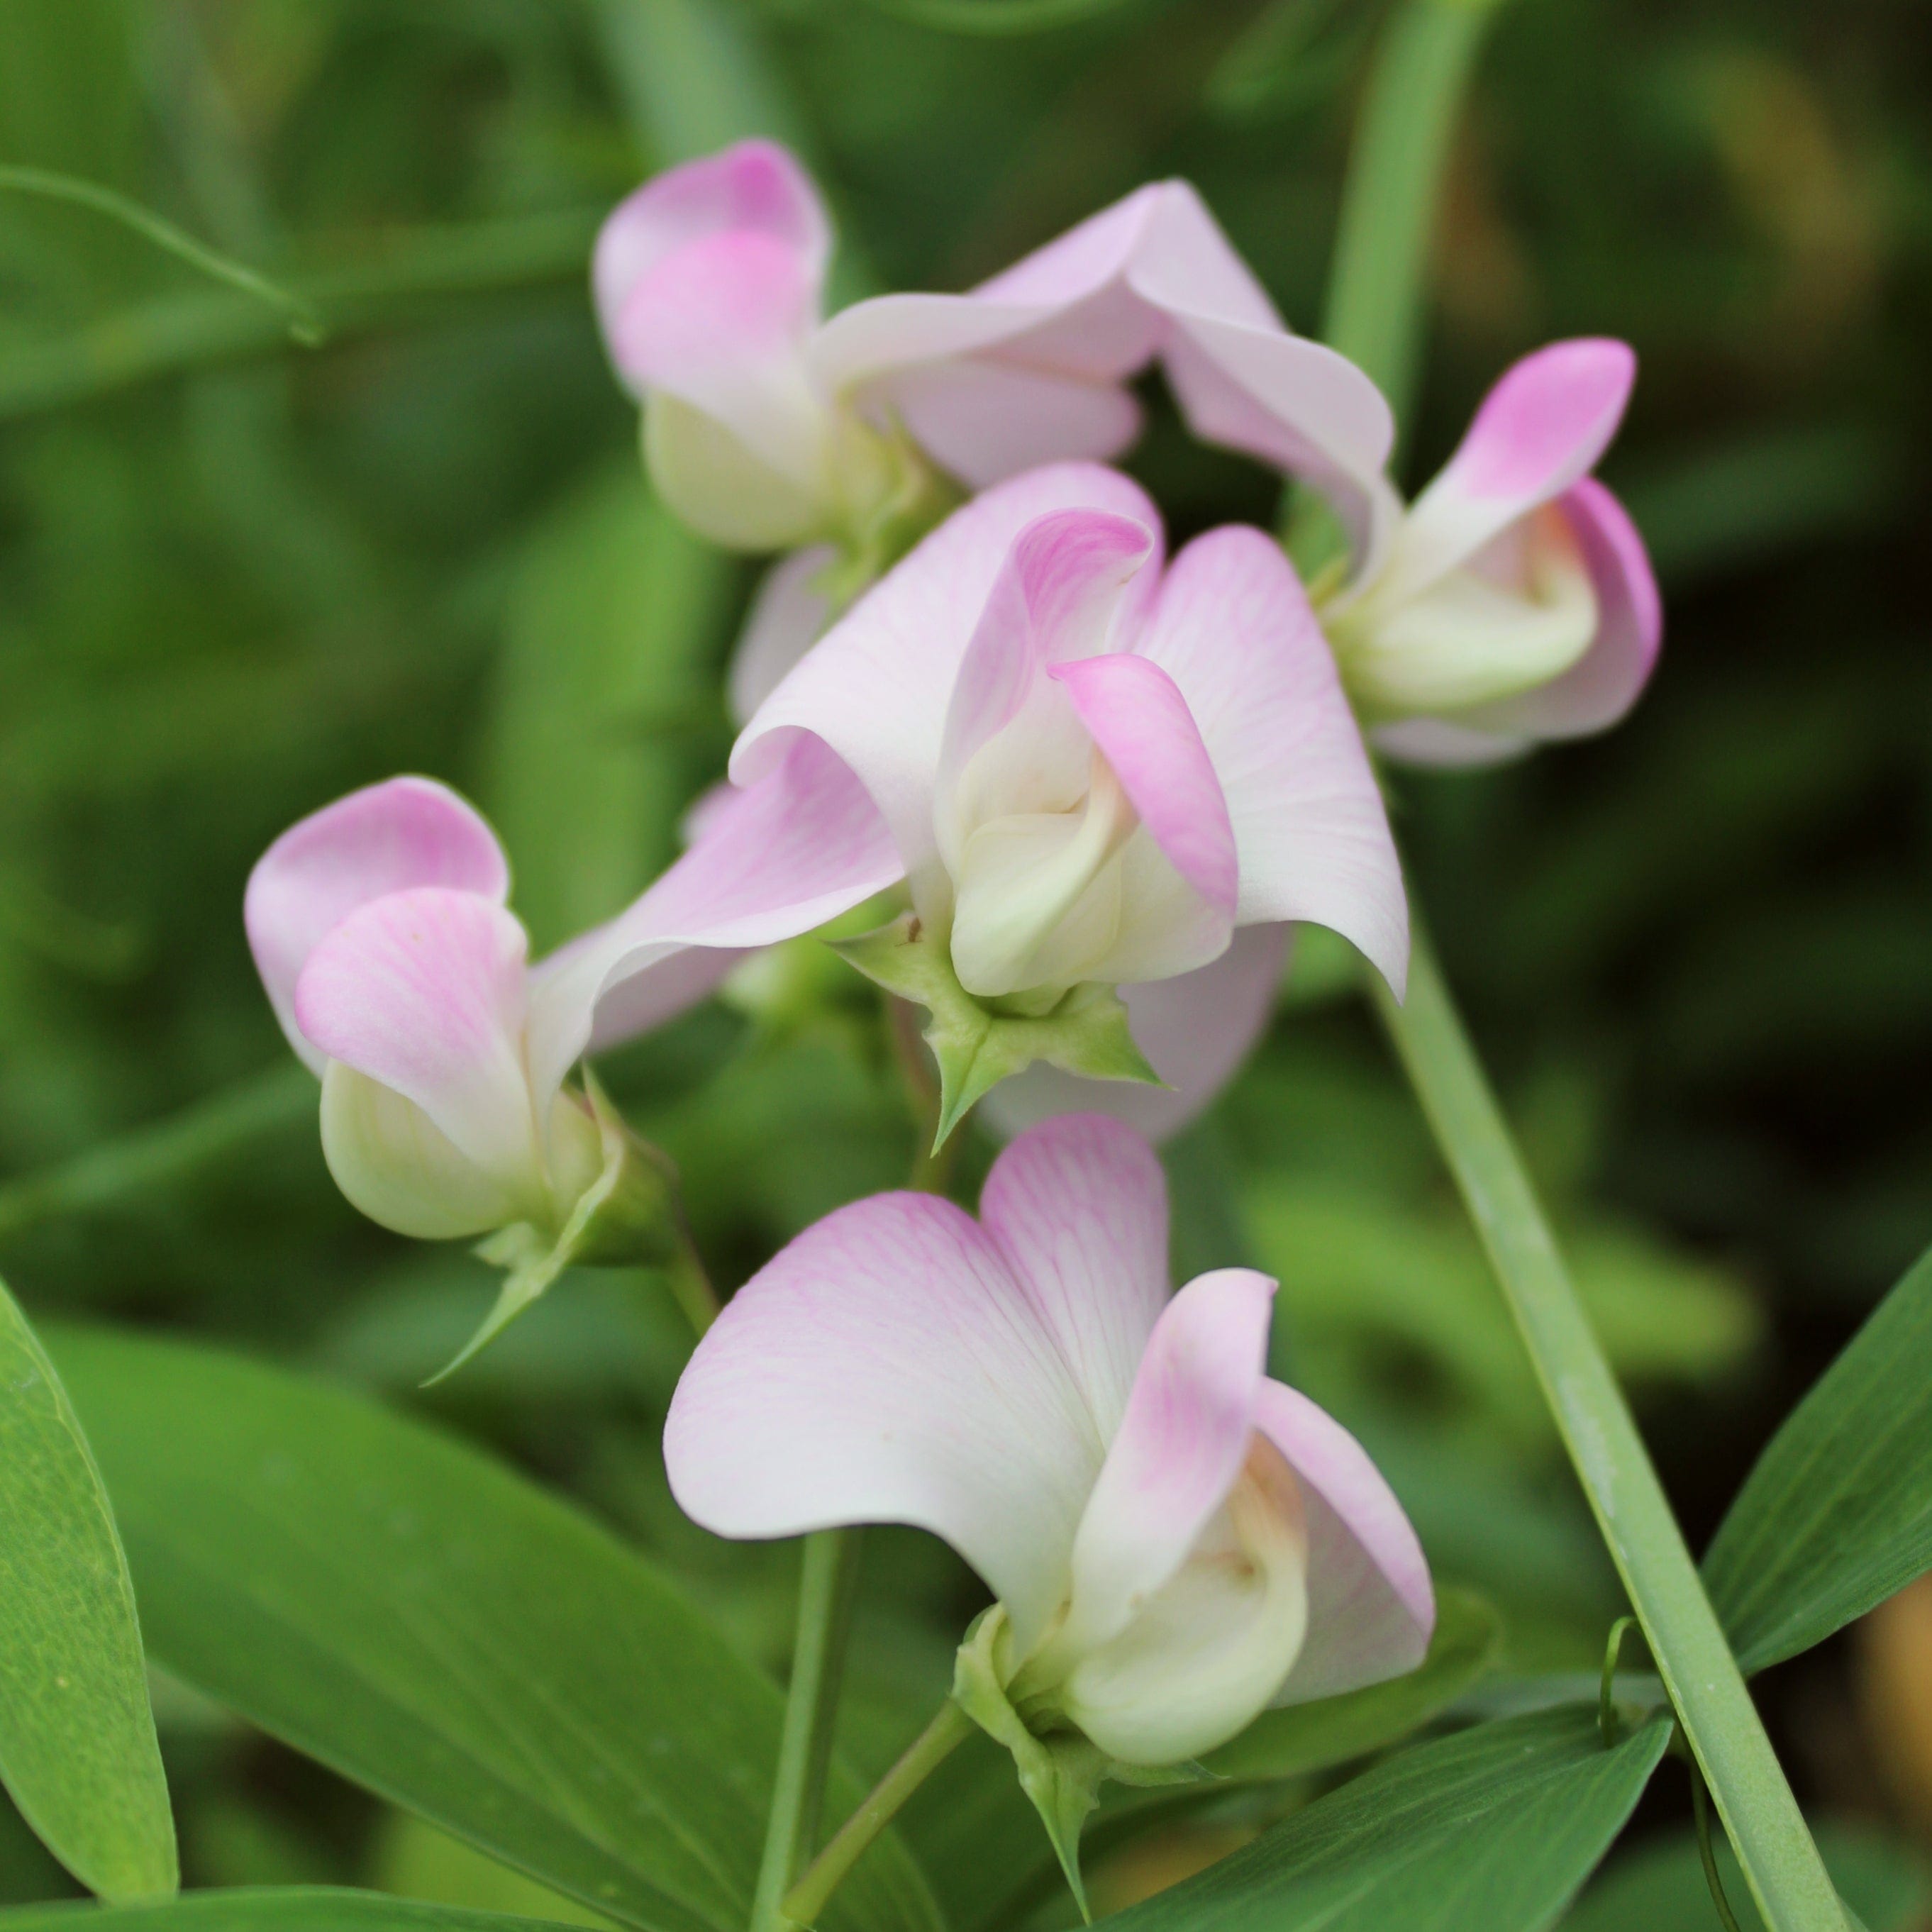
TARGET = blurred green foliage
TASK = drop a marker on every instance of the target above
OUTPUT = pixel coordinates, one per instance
(237, 578)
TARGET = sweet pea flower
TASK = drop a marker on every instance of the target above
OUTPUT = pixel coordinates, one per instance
(768, 427)
(1176, 1541)
(1513, 601)
(381, 929)
(1100, 770)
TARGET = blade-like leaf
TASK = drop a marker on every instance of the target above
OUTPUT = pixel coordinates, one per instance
(77, 1748)
(421, 1618)
(1837, 1514)
(307, 1909)
(1493, 1830)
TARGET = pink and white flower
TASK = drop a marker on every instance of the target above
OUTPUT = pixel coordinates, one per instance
(381, 929)
(1100, 769)
(1513, 601)
(768, 427)
(1177, 1541)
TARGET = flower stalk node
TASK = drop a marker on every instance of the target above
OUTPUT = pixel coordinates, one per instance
(629, 1216)
(976, 1045)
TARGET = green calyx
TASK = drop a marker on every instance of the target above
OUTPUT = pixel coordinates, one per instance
(976, 1047)
(1060, 1770)
(628, 1216)
(912, 499)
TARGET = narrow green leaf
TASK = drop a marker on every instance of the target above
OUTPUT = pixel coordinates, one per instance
(606, 671)
(434, 1627)
(77, 1748)
(1492, 1830)
(303, 1910)
(1837, 1514)
(1312, 1737)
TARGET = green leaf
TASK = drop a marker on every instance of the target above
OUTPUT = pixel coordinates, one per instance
(434, 1627)
(1837, 1514)
(315, 1908)
(605, 670)
(1492, 1830)
(976, 1048)
(1308, 1738)
(77, 1748)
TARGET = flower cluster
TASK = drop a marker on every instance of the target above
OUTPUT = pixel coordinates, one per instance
(1105, 785)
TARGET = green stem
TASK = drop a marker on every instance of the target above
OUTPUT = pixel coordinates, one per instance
(414, 270)
(690, 1280)
(1719, 1720)
(298, 316)
(201, 1134)
(1606, 1707)
(826, 1589)
(1700, 1807)
(948, 1730)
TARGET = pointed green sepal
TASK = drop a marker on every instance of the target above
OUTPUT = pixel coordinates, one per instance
(1060, 1770)
(626, 1216)
(976, 1046)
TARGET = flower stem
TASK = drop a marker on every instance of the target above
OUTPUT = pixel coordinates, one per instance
(689, 1278)
(826, 1589)
(949, 1728)
(1719, 1721)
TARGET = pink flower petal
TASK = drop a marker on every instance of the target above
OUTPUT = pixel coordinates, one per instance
(1547, 421)
(1195, 1029)
(405, 832)
(788, 615)
(1058, 596)
(1539, 431)
(1141, 724)
(792, 850)
(878, 686)
(1182, 1442)
(1234, 631)
(423, 991)
(721, 324)
(1596, 690)
(754, 187)
(887, 1367)
(1078, 1208)
(983, 420)
(1372, 1608)
(1152, 275)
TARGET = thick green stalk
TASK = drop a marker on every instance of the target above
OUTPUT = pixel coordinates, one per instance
(825, 1593)
(1374, 315)
(1714, 1708)
(949, 1729)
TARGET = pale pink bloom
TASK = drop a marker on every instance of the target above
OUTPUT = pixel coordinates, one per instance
(1178, 1542)
(1099, 768)
(1513, 601)
(768, 427)
(381, 933)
